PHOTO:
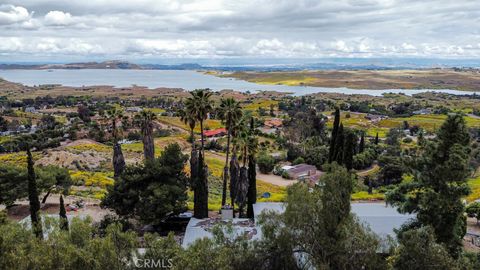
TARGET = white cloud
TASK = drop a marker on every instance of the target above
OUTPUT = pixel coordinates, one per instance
(10, 14)
(408, 46)
(241, 28)
(56, 17)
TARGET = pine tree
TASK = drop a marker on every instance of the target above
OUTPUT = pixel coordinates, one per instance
(333, 137)
(63, 215)
(33, 197)
(439, 185)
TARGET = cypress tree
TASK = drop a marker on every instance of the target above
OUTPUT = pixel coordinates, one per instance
(201, 206)
(33, 197)
(338, 186)
(234, 175)
(333, 137)
(376, 139)
(63, 215)
(339, 145)
(361, 147)
(349, 148)
(252, 172)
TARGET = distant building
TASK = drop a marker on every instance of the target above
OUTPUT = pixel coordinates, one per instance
(375, 117)
(30, 110)
(133, 109)
(422, 111)
(273, 123)
(215, 132)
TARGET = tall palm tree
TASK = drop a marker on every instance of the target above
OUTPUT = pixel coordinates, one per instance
(118, 160)
(114, 115)
(230, 112)
(200, 105)
(146, 126)
(189, 119)
(236, 132)
(243, 141)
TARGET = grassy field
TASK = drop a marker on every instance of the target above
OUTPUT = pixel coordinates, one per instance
(429, 122)
(175, 121)
(474, 184)
(368, 79)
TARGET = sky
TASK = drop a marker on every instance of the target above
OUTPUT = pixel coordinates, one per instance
(47, 30)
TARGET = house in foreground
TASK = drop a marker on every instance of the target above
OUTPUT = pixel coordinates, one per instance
(381, 219)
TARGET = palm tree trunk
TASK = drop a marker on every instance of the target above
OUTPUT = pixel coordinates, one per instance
(192, 135)
(225, 171)
(234, 175)
(201, 130)
(118, 160)
(148, 147)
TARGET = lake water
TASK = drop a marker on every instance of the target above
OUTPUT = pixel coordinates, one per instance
(186, 79)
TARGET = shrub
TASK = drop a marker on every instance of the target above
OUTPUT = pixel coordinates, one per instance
(134, 136)
(298, 160)
(407, 140)
(364, 160)
(265, 163)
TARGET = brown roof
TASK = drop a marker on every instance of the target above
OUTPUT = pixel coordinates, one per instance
(273, 123)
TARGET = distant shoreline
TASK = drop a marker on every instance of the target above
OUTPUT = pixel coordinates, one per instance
(414, 79)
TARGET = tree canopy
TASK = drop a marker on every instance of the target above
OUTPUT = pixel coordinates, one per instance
(152, 190)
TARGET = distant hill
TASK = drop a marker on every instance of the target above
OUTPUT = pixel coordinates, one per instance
(339, 65)
(114, 64)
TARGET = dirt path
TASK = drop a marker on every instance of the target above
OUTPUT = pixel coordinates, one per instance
(368, 171)
(275, 180)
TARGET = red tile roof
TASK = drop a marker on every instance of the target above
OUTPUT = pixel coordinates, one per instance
(215, 132)
(273, 123)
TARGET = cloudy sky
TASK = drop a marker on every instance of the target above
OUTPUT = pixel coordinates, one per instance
(41, 30)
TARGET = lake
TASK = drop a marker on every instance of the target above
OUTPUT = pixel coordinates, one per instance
(186, 79)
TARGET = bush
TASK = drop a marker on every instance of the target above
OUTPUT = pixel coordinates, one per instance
(407, 140)
(364, 159)
(265, 163)
(317, 156)
(213, 145)
(293, 152)
(298, 160)
(134, 136)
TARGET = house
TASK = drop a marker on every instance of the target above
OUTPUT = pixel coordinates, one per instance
(382, 219)
(375, 117)
(301, 171)
(273, 123)
(133, 109)
(422, 111)
(30, 109)
(215, 132)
